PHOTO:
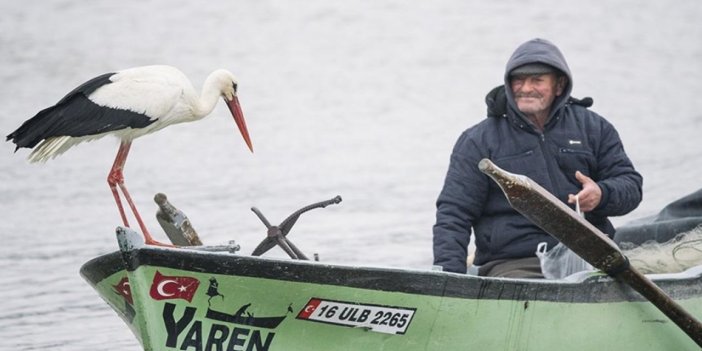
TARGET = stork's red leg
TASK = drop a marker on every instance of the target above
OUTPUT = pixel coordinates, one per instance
(116, 178)
(147, 236)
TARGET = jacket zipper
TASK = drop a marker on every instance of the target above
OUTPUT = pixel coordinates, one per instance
(548, 158)
(573, 151)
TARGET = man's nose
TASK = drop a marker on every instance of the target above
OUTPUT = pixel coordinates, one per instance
(528, 85)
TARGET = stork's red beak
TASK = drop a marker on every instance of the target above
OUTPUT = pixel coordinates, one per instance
(235, 109)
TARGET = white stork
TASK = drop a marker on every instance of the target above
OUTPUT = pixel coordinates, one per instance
(128, 104)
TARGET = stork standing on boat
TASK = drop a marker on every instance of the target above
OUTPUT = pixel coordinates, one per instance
(128, 104)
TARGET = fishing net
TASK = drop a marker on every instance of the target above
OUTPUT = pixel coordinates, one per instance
(676, 255)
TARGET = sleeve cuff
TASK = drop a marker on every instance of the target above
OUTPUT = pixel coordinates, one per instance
(605, 196)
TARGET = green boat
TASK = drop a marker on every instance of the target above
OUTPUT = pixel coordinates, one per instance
(213, 298)
(189, 299)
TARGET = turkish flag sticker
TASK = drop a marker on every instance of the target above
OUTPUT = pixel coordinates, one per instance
(165, 287)
(309, 308)
(123, 289)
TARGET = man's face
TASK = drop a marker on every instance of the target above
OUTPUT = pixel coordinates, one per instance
(534, 94)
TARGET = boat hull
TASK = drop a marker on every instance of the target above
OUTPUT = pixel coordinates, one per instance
(175, 299)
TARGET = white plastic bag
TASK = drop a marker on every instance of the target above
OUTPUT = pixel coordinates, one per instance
(560, 261)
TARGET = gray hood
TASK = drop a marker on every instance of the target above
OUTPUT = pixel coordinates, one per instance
(542, 51)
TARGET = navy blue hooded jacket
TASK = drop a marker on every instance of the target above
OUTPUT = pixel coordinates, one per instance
(574, 139)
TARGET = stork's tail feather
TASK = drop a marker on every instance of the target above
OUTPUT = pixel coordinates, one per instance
(44, 129)
(50, 148)
(10, 137)
(34, 130)
(67, 117)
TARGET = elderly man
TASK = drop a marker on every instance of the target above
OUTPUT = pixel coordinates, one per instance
(534, 127)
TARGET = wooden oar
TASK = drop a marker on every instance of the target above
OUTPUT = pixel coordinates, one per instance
(559, 220)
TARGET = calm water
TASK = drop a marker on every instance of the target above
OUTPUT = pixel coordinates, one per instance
(361, 99)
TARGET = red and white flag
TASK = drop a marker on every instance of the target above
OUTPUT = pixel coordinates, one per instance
(309, 308)
(123, 289)
(165, 287)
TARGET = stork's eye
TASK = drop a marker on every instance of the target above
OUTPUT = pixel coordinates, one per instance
(234, 87)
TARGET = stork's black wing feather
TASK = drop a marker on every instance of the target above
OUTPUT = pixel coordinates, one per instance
(76, 115)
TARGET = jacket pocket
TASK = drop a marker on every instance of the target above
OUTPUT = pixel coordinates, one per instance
(514, 156)
(571, 160)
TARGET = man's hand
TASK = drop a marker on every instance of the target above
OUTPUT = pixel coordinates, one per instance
(590, 196)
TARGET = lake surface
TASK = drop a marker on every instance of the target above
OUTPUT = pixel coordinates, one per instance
(361, 99)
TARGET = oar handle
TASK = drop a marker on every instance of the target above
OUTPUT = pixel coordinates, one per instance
(685, 321)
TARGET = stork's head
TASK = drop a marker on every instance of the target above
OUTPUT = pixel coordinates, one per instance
(228, 85)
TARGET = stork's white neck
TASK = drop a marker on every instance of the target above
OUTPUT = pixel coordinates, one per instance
(212, 90)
